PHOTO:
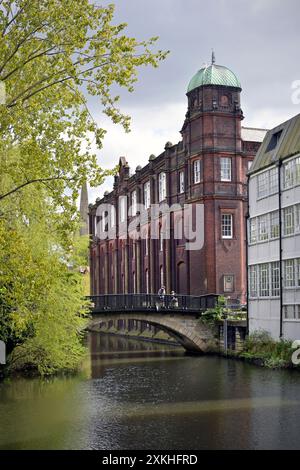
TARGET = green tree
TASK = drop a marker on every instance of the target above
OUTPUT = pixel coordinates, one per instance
(53, 54)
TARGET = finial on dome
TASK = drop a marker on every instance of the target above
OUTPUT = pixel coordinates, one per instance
(213, 57)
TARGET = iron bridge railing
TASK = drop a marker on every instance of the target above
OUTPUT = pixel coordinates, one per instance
(110, 303)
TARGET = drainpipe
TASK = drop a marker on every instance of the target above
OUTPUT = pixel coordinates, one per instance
(247, 257)
(280, 248)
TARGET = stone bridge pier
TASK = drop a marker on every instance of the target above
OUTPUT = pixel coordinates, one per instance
(189, 331)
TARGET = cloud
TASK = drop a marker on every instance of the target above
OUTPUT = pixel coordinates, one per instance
(151, 128)
(258, 40)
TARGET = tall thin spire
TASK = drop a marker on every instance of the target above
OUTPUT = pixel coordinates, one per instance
(213, 57)
(84, 203)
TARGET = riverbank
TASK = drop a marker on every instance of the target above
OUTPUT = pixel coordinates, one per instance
(261, 350)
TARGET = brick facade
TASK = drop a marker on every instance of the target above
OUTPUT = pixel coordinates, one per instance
(211, 131)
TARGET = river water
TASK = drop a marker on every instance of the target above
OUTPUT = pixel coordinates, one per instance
(141, 395)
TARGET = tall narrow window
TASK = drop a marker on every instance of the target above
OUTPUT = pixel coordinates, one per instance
(273, 181)
(227, 226)
(289, 273)
(288, 221)
(197, 171)
(112, 216)
(288, 174)
(134, 282)
(253, 281)
(264, 280)
(289, 312)
(162, 187)
(225, 164)
(274, 224)
(297, 218)
(297, 272)
(275, 279)
(104, 221)
(161, 276)
(253, 230)
(263, 228)
(181, 182)
(147, 195)
(147, 281)
(263, 184)
(161, 239)
(133, 203)
(122, 208)
(297, 172)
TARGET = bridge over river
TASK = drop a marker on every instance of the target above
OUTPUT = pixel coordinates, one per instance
(179, 316)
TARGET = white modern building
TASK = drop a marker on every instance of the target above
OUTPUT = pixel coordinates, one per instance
(274, 234)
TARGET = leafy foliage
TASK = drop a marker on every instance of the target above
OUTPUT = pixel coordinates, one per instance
(54, 54)
(211, 315)
(273, 354)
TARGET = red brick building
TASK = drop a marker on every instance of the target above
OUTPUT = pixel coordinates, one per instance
(208, 166)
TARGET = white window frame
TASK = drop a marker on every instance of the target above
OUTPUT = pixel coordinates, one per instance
(196, 171)
(275, 279)
(288, 174)
(112, 216)
(253, 230)
(297, 170)
(225, 168)
(227, 226)
(264, 280)
(288, 221)
(273, 181)
(289, 273)
(122, 208)
(253, 281)
(263, 227)
(162, 186)
(181, 182)
(147, 195)
(134, 203)
(262, 184)
(274, 225)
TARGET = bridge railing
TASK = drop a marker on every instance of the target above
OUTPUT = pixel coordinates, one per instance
(152, 302)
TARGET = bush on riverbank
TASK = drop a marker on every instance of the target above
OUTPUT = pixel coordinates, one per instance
(261, 348)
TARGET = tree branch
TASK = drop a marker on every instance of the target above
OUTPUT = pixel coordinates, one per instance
(36, 180)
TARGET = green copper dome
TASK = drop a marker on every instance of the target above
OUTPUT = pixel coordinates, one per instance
(214, 75)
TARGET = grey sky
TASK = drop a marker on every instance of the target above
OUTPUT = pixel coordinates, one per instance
(259, 40)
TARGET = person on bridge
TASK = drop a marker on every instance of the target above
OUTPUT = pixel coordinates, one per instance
(174, 300)
(161, 293)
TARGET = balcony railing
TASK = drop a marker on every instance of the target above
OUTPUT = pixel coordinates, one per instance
(152, 302)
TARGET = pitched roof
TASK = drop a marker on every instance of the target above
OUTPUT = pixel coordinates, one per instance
(281, 142)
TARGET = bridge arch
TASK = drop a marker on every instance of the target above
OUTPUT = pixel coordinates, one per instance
(193, 335)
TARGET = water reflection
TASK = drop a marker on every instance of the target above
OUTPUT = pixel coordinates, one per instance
(135, 394)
